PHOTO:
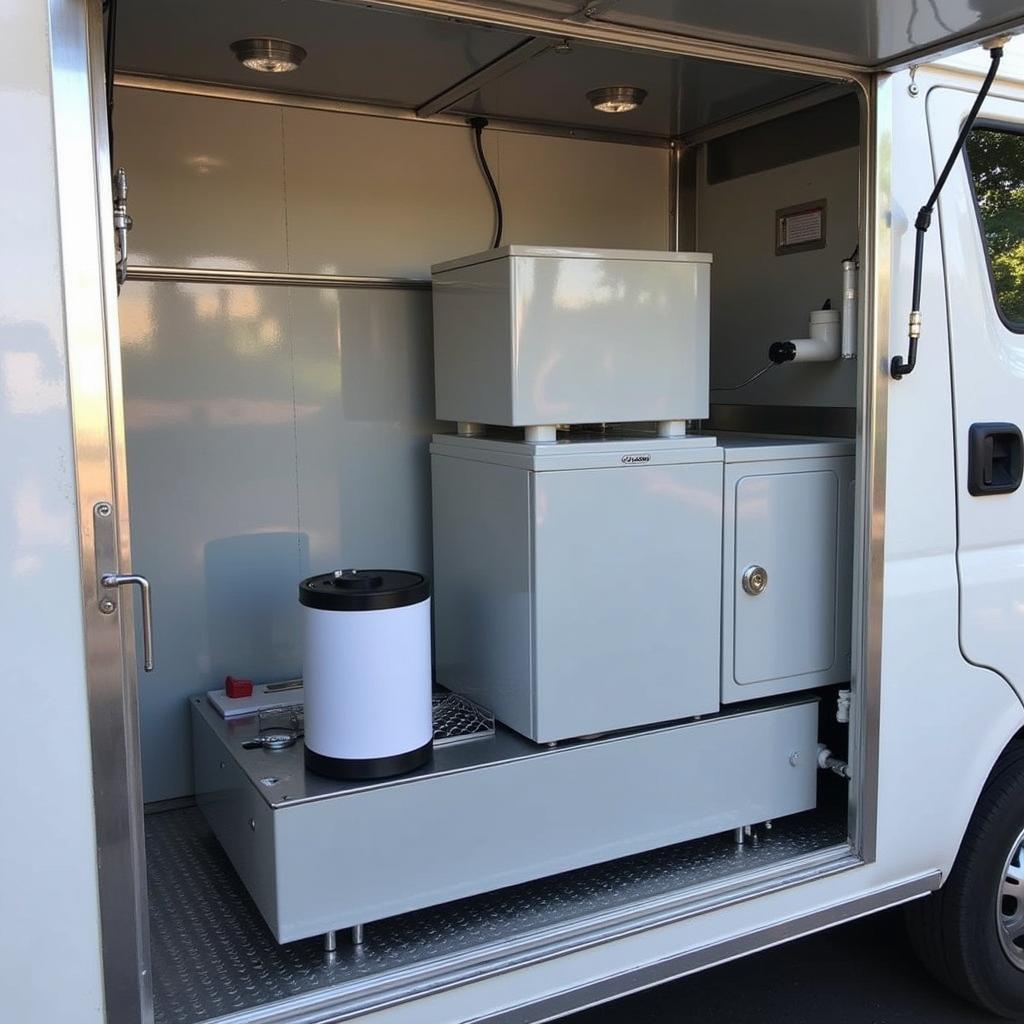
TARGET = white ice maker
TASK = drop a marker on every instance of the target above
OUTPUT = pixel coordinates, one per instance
(527, 336)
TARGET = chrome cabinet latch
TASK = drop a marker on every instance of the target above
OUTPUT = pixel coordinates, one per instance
(754, 579)
(108, 580)
(122, 224)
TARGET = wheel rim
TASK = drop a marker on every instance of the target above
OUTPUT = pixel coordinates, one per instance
(1010, 904)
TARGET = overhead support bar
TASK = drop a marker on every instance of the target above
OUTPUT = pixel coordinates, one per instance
(508, 61)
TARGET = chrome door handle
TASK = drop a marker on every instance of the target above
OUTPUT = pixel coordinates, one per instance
(111, 581)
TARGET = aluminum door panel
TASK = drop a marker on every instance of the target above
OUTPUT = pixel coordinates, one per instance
(786, 523)
(627, 596)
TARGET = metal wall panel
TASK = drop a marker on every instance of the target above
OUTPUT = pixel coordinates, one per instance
(205, 180)
(582, 193)
(364, 414)
(257, 187)
(377, 196)
(737, 224)
(370, 195)
(210, 424)
(272, 431)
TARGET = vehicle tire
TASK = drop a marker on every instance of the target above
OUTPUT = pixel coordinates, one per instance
(970, 934)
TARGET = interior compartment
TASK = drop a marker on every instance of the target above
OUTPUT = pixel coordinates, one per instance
(278, 368)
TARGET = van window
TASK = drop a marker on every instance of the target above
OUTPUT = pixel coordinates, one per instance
(995, 158)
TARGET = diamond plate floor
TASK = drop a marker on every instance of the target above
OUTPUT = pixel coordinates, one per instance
(213, 955)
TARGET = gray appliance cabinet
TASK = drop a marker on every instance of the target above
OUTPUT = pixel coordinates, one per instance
(577, 585)
(788, 510)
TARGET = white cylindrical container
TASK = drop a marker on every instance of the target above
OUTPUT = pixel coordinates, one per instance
(849, 344)
(366, 672)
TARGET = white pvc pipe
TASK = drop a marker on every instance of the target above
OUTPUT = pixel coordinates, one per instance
(849, 331)
(823, 346)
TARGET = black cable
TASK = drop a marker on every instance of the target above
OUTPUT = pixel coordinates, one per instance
(478, 124)
(899, 367)
(749, 380)
(110, 7)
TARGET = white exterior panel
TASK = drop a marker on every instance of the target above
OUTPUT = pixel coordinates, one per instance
(48, 900)
(987, 356)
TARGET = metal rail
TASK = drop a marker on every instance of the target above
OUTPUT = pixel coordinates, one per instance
(212, 90)
(199, 275)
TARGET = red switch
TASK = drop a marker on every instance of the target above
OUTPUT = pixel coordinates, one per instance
(237, 687)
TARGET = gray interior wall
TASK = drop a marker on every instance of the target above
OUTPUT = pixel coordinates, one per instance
(273, 432)
(758, 297)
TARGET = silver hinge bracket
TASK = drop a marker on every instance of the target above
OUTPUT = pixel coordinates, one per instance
(122, 224)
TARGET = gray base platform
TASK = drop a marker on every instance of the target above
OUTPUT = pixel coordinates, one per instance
(317, 855)
(214, 956)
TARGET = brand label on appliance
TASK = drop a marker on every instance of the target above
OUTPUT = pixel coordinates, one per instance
(635, 460)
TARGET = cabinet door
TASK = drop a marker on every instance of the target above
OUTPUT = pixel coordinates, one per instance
(786, 524)
(627, 596)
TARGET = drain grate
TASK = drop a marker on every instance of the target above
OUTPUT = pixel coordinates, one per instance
(457, 720)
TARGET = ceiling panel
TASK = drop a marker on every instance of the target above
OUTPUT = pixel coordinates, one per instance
(399, 59)
(865, 32)
(353, 53)
(682, 93)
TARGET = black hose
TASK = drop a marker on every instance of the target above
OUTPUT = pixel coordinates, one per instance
(478, 124)
(899, 367)
(110, 7)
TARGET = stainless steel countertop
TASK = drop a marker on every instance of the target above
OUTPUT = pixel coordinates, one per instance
(295, 785)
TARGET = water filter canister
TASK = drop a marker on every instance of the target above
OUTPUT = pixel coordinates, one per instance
(366, 672)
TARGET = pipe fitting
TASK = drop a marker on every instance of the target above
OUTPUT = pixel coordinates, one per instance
(828, 762)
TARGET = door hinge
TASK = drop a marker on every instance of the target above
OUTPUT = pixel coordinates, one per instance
(122, 224)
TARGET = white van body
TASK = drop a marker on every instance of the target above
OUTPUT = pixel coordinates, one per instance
(938, 678)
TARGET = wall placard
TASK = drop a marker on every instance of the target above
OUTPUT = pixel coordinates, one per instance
(799, 228)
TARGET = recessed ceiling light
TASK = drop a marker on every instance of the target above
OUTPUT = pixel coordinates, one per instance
(617, 99)
(271, 55)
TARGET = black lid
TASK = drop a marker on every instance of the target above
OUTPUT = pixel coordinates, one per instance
(363, 590)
